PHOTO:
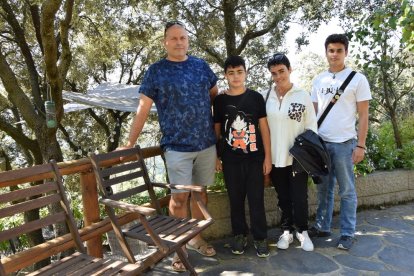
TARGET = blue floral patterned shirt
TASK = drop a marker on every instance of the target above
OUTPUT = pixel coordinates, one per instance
(181, 93)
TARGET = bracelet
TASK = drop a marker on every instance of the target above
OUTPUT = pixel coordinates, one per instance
(361, 147)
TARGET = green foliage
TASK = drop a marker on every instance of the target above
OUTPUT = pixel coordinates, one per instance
(142, 199)
(219, 184)
(406, 22)
(7, 224)
(22, 241)
(382, 153)
(388, 66)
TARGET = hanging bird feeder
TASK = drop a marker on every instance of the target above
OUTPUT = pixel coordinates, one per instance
(50, 109)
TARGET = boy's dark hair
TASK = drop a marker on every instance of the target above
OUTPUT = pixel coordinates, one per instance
(278, 58)
(337, 38)
(234, 61)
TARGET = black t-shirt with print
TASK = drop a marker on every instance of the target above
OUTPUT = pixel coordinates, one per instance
(239, 118)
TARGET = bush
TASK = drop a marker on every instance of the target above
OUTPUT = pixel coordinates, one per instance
(219, 185)
(382, 153)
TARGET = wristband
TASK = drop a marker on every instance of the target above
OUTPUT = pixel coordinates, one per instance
(361, 147)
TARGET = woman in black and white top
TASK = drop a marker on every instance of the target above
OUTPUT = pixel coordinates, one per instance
(289, 112)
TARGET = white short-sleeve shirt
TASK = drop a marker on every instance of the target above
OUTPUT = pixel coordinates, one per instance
(339, 124)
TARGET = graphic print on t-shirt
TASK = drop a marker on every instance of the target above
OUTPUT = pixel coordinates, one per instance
(296, 111)
(329, 90)
(241, 132)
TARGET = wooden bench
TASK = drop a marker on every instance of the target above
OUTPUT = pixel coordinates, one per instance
(120, 182)
(19, 198)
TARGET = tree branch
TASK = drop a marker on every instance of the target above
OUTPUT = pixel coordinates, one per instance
(253, 34)
(16, 94)
(24, 47)
(20, 137)
(99, 121)
(49, 10)
(66, 56)
(34, 11)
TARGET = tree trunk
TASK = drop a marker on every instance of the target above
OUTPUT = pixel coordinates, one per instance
(388, 97)
(36, 237)
(396, 129)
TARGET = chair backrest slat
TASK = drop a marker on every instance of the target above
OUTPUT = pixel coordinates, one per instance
(106, 157)
(20, 198)
(134, 174)
(128, 193)
(120, 168)
(28, 192)
(34, 172)
(122, 178)
(31, 226)
(29, 205)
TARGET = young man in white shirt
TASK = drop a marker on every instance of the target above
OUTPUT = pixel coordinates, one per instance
(345, 144)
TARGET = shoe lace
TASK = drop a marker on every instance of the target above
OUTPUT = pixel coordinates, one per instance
(261, 245)
(239, 239)
(284, 235)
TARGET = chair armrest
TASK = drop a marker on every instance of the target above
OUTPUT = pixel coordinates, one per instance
(146, 211)
(180, 187)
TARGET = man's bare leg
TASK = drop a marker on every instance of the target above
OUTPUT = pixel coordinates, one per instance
(197, 214)
(178, 208)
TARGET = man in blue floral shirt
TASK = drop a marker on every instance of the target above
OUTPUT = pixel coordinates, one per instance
(182, 88)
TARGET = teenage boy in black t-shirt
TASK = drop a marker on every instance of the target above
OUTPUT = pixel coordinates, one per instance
(240, 121)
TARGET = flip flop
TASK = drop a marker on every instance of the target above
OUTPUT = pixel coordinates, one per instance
(201, 247)
(175, 261)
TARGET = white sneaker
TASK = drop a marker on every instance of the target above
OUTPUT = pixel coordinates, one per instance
(305, 242)
(285, 239)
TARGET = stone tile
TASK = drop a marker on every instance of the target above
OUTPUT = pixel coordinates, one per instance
(236, 269)
(363, 229)
(349, 272)
(394, 273)
(165, 269)
(403, 208)
(390, 222)
(400, 258)
(326, 242)
(224, 251)
(401, 239)
(366, 246)
(369, 214)
(199, 261)
(297, 261)
(358, 263)
(408, 219)
(383, 247)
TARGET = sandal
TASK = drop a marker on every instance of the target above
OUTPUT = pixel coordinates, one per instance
(177, 265)
(202, 247)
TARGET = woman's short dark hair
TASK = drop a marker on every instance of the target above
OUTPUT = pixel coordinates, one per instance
(337, 38)
(278, 58)
(234, 61)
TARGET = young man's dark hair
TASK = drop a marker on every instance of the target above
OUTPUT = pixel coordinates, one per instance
(278, 58)
(337, 38)
(234, 61)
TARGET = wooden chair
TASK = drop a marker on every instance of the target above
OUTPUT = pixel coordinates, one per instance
(18, 197)
(168, 234)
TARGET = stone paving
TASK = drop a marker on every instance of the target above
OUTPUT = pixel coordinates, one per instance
(384, 246)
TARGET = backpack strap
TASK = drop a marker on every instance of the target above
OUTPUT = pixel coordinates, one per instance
(335, 98)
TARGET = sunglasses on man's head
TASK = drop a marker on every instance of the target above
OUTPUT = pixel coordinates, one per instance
(169, 24)
(277, 57)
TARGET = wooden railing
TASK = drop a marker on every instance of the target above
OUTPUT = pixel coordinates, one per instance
(95, 226)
